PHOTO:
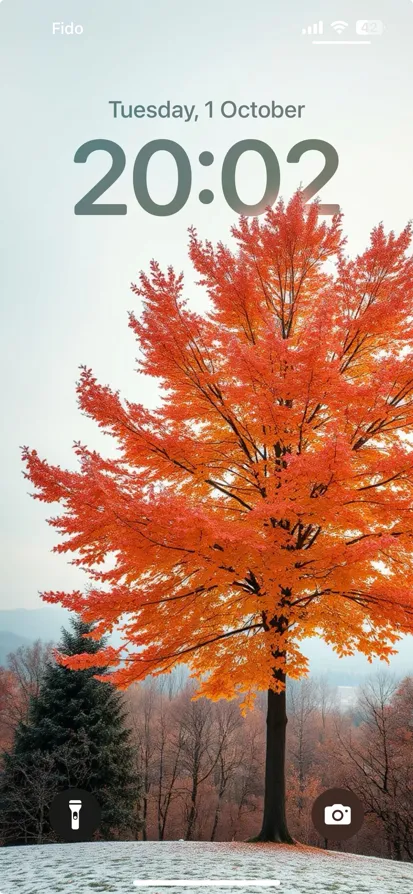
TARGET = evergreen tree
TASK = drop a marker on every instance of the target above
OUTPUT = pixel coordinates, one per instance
(75, 737)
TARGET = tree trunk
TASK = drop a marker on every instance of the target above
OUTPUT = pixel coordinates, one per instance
(274, 824)
(221, 794)
(194, 794)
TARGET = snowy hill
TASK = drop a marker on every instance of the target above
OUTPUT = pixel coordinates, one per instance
(112, 867)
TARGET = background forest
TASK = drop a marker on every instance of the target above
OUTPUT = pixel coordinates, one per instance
(194, 768)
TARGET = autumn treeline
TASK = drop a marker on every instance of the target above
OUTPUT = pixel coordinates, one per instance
(200, 763)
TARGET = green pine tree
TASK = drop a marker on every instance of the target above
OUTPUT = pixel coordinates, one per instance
(75, 737)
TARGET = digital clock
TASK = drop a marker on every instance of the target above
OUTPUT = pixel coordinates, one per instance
(86, 205)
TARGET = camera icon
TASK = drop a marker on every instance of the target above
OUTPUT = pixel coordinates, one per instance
(337, 815)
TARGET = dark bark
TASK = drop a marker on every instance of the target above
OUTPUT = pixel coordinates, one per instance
(274, 824)
(194, 794)
(223, 780)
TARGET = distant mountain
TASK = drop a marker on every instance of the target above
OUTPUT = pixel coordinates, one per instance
(37, 623)
(9, 642)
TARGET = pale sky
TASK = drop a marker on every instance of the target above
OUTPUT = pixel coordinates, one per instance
(65, 278)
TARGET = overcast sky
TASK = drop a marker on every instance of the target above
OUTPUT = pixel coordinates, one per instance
(65, 278)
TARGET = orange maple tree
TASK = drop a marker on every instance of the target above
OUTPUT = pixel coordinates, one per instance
(268, 497)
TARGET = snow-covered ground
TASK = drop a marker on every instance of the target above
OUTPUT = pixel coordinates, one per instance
(112, 867)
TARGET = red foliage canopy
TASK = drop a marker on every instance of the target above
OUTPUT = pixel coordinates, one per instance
(268, 498)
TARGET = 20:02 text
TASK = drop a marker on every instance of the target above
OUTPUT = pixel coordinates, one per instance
(87, 206)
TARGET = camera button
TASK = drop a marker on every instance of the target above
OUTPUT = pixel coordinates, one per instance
(337, 814)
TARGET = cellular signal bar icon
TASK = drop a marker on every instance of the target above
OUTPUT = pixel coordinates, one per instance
(318, 28)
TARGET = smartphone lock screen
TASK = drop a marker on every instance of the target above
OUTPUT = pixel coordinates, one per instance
(206, 536)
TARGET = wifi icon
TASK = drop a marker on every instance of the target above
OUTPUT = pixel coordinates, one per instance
(339, 26)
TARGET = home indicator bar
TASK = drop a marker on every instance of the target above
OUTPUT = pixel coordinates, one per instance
(205, 883)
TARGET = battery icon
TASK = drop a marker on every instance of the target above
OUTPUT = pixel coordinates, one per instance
(369, 26)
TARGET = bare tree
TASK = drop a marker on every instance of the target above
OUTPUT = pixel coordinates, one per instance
(9, 697)
(303, 699)
(27, 787)
(170, 749)
(326, 698)
(231, 753)
(28, 665)
(372, 750)
(141, 704)
(247, 785)
(199, 756)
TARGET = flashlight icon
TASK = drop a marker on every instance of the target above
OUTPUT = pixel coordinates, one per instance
(75, 808)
